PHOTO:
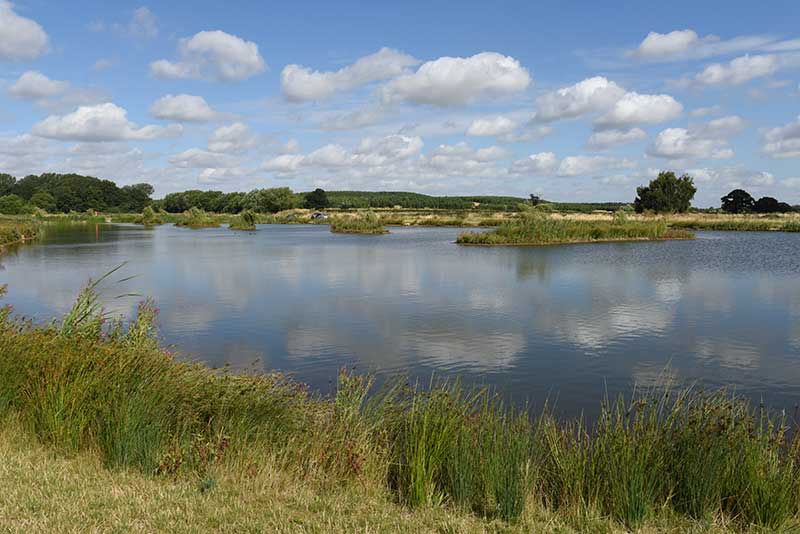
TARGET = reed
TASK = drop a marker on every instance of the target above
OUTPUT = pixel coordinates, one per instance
(366, 223)
(13, 231)
(246, 220)
(534, 228)
(197, 218)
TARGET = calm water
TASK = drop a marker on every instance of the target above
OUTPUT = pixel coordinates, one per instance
(566, 323)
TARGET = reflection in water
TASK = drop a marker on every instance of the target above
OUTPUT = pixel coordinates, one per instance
(571, 323)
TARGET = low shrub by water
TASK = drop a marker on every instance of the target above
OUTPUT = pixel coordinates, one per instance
(246, 220)
(533, 228)
(17, 231)
(367, 223)
(197, 218)
(149, 217)
(88, 383)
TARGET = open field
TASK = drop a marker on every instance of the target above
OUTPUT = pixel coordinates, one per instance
(107, 427)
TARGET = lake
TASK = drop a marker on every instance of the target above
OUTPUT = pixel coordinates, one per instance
(566, 323)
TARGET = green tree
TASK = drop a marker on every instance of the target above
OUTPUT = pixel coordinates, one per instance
(45, 201)
(738, 201)
(666, 194)
(6, 184)
(317, 200)
(270, 200)
(767, 205)
(13, 205)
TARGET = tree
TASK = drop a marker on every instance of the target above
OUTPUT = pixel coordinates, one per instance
(6, 184)
(270, 200)
(317, 200)
(667, 193)
(44, 200)
(535, 199)
(738, 201)
(766, 205)
(13, 205)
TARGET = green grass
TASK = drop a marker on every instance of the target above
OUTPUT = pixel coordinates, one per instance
(366, 223)
(12, 232)
(532, 228)
(740, 224)
(244, 221)
(149, 217)
(663, 459)
(197, 218)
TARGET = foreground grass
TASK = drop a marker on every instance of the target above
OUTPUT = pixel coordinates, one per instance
(540, 229)
(366, 223)
(103, 422)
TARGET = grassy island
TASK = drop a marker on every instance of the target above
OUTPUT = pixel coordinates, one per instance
(244, 221)
(197, 218)
(532, 228)
(367, 223)
(101, 428)
(149, 217)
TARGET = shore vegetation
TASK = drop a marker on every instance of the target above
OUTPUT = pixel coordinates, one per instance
(362, 223)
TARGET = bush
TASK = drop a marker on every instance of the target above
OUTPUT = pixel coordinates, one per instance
(14, 205)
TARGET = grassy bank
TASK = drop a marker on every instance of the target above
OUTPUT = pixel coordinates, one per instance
(261, 452)
(739, 224)
(17, 232)
(365, 223)
(540, 229)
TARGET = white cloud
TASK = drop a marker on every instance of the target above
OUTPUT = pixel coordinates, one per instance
(451, 81)
(33, 85)
(687, 44)
(143, 24)
(21, 39)
(587, 96)
(585, 165)
(491, 126)
(351, 120)
(285, 163)
(301, 84)
(739, 70)
(236, 137)
(212, 55)
(380, 150)
(103, 122)
(535, 164)
(185, 108)
(634, 108)
(784, 141)
(103, 64)
(733, 176)
(705, 111)
(202, 159)
(707, 140)
(610, 138)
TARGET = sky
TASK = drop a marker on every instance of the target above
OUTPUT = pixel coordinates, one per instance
(572, 101)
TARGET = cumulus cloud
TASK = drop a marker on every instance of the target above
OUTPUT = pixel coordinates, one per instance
(634, 108)
(184, 108)
(587, 96)
(450, 81)
(707, 140)
(212, 55)
(301, 84)
(605, 139)
(103, 122)
(33, 85)
(202, 159)
(784, 141)
(21, 39)
(586, 165)
(234, 138)
(535, 164)
(491, 127)
(739, 70)
(687, 44)
(732, 176)
(351, 120)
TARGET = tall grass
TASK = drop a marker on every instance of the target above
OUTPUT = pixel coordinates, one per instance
(246, 220)
(534, 228)
(12, 232)
(197, 218)
(740, 224)
(87, 382)
(149, 217)
(366, 223)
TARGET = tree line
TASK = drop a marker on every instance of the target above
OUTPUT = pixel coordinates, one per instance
(63, 193)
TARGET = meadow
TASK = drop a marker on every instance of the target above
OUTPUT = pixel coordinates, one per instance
(98, 415)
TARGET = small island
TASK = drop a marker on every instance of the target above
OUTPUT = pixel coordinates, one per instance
(367, 223)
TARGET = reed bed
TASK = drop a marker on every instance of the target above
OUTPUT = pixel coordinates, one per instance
(12, 232)
(149, 217)
(742, 224)
(86, 383)
(197, 218)
(366, 223)
(532, 228)
(244, 221)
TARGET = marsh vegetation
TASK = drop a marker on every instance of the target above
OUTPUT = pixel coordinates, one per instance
(363, 223)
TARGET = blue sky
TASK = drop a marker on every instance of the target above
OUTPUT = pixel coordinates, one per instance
(575, 101)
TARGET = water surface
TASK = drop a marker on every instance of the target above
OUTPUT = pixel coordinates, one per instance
(565, 323)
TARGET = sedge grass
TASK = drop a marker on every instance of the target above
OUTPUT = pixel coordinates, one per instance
(367, 223)
(246, 220)
(197, 218)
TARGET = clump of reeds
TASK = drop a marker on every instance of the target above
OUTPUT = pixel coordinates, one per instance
(533, 228)
(740, 224)
(12, 232)
(366, 223)
(246, 220)
(197, 218)
(149, 217)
